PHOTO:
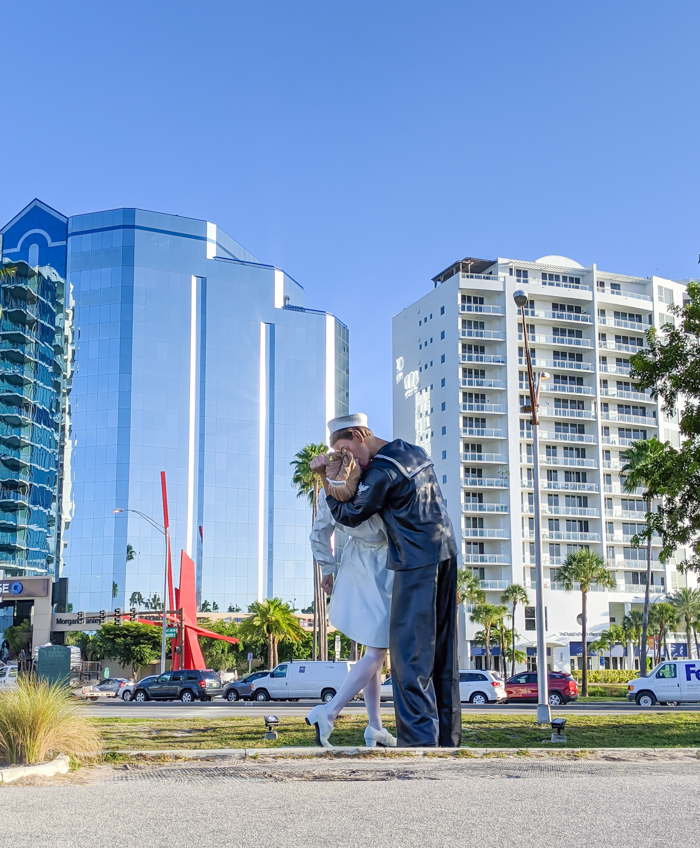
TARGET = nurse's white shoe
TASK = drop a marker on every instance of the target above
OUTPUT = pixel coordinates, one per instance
(379, 737)
(318, 718)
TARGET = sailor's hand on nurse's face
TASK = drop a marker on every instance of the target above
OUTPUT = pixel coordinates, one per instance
(318, 463)
(327, 583)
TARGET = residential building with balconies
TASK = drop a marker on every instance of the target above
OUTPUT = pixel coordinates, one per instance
(460, 383)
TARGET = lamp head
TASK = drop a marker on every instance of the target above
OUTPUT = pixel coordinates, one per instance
(116, 511)
(520, 298)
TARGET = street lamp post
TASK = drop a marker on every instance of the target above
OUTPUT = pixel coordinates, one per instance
(543, 712)
(166, 533)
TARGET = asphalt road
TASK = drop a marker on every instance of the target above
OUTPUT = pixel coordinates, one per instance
(113, 708)
(259, 804)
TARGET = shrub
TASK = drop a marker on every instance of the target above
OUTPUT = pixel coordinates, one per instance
(39, 720)
(608, 675)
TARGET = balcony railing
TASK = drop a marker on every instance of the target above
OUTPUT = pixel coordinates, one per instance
(469, 382)
(617, 489)
(483, 357)
(497, 408)
(558, 388)
(484, 433)
(485, 482)
(634, 514)
(619, 440)
(486, 559)
(584, 511)
(493, 335)
(494, 584)
(481, 533)
(579, 317)
(548, 412)
(639, 589)
(613, 464)
(563, 536)
(559, 285)
(556, 486)
(538, 338)
(625, 325)
(499, 458)
(539, 362)
(482, 309)
(548, 436)
(574, 461)
(614, 393)
(631, 295)
(616, 369)
(485, 507)
(624, 348)
(559, 587)
(648, 420)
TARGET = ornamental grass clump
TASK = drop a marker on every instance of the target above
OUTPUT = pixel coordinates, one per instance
(39, 720)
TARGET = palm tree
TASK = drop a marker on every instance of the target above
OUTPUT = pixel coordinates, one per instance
(632, 625)
(130, 553)
(469, 587)
(488, 616)
(600, 646)
(515, 594)
(273, 620)
(307, 485)
(616, 635)
(639, 460)
(7, 271)
(136, 600)
(582, 570)
(687, 604)
(664, 617)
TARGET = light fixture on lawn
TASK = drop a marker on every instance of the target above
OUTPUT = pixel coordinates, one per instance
(558, 725)
(271, 723)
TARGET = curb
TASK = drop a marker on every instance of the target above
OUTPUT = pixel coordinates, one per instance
(393, 753)
(59, 765)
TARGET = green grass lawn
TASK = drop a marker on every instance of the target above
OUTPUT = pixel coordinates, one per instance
(650, 730)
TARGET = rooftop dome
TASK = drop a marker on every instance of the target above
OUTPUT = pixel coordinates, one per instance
(562, 261)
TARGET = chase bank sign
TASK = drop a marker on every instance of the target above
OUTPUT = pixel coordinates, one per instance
(13, 587)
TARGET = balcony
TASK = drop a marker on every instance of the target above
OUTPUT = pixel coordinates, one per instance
(645, 397)
(620, 440)
(481, 533)
(571, 286)
(559, 587)
(559, 388)
(624, 325)
(623, 348)
(646, 420)
(548, 412)
(626, 539)
(639, 589)
(539, 362)
(494, 584)
(556, 486)
(482, 309)
(604, 291)
(576, 317)
(613, 464)
(573, 461)
(484, 433)
(470, 383)
(538, 338)
(485, 482)
(496, 408)
(633, 514)
(563, 536)
(617, 489)
(616, 369)
(485, 507)
(583, 511)
(483, 357)
(495, 458)
(493, 335)
(486, 559)
(548, 436)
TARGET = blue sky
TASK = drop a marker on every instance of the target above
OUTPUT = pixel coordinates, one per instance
(365, 146)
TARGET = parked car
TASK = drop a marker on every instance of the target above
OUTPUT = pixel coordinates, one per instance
(668, 683)
(127, 692)
(301, 679)
(523, 687)
(185, 685)
(8, 676)
(110, 687)
(242, 690)
(475, 687)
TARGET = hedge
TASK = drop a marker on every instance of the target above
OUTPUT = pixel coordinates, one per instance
(608, 675)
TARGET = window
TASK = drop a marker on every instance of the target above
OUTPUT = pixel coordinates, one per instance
(443, 406)
(664, 295)
(442, 335)
(444, 478)
(442, 310)
(192, 675)
(530, 623)
(178, 675)
(444, 454)
(667, 672)
(442, 358)
(444, 430)
(442, 383)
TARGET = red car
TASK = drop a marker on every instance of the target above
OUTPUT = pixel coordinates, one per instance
(523, 687)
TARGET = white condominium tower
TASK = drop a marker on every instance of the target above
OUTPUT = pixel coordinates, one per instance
(460, 382)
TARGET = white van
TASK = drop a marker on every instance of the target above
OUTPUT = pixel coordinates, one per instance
(668, 683)
(301, 679)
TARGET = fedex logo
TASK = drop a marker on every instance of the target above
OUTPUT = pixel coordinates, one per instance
(690, 669)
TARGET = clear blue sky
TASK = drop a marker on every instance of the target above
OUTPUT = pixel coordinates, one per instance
(365, 146)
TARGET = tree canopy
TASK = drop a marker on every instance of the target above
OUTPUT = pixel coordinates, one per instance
(670, 368)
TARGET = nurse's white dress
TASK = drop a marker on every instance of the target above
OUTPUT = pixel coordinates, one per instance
(361, 601)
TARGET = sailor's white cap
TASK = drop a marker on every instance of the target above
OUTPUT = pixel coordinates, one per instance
(344, 422)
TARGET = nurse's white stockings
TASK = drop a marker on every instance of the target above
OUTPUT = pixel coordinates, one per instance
(365, 674)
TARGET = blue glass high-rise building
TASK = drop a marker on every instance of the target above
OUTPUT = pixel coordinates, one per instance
(194, 358)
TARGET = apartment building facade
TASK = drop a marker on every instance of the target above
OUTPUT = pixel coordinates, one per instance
(459, 388)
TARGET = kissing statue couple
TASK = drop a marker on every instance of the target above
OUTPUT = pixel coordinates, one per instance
(396, 585)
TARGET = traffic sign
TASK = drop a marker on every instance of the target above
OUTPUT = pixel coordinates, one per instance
(250, 656)
(170, 632)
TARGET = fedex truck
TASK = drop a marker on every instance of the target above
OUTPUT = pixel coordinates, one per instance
(672, 682)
